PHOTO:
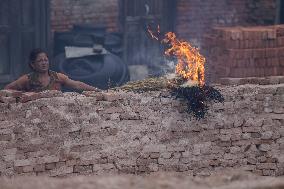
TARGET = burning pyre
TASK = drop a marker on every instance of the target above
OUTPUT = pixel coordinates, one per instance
(188, 83)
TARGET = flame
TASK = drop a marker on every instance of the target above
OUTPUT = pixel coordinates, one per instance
(190, 62)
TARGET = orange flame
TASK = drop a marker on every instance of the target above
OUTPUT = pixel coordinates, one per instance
(190, 62)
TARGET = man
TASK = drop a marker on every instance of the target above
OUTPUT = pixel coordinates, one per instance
(41, 78)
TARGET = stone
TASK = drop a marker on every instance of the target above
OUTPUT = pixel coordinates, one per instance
(48, 159)
(24, 162)
(225, 138)
(29, 96)
(266, 135)
(154, 148)
(61, 171)
(83, 168)
(39, 168)
(281, 131)
(10, 93)
(155, 155)
(271, 166)
(166, 155)
(110, 97)
(50, 94)
(50, 166)
(8, 100)
(264, 147)
(27, 169)
(277, 116)
(171, 161)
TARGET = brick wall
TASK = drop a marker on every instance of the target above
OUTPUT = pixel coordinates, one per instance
(245, 52)
(196, 18)
(66, 13)
(72, 134)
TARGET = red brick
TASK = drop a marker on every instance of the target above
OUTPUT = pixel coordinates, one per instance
(259, 53)
(271, 34)
(271, 52)
(275, 62)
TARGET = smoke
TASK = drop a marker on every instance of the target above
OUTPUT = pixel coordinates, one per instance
(150, 65)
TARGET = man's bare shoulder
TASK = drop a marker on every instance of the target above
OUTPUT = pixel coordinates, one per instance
(23, 78)
(62, 77)
(19, 84)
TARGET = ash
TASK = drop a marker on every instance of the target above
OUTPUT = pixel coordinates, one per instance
(197, 98)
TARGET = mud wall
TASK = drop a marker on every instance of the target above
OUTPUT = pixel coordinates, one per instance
(118, 132)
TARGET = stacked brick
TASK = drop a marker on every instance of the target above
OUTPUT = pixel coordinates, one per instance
(117, 132)
(245, 52)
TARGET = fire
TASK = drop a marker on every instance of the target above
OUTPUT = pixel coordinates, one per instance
(190, 64)
(190, 61)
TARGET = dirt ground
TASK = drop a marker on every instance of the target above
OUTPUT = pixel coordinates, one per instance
(225, 180)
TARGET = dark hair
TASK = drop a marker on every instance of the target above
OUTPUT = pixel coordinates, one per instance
(33, 55)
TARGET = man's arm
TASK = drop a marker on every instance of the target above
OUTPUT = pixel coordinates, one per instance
(76, 84)
(19, 84)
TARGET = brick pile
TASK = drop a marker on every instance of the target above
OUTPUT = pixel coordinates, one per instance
(245, 52)
(118, 132)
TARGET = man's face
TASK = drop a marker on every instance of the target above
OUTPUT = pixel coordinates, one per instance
(41, 64)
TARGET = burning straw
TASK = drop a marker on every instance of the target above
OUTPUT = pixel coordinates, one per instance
(188, 83)
(196, 97)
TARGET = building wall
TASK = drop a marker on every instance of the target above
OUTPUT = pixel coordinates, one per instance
(66, 13)
(196, 18)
